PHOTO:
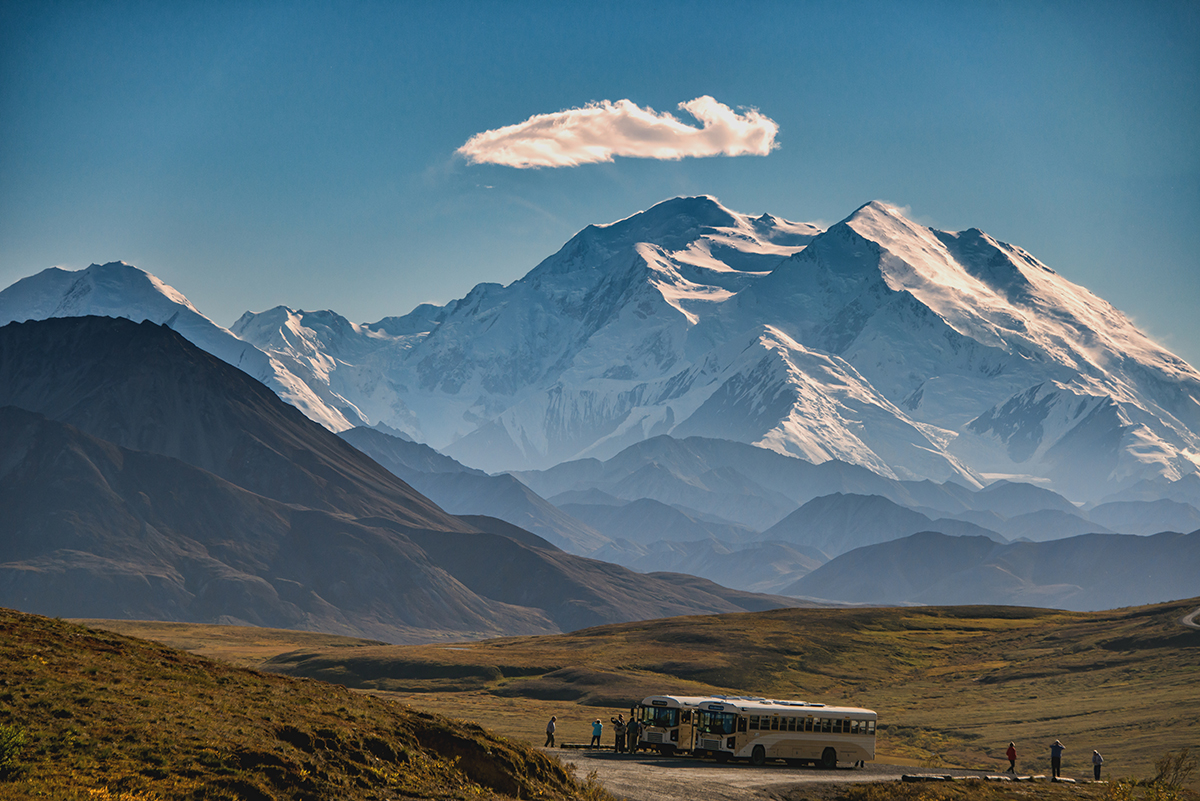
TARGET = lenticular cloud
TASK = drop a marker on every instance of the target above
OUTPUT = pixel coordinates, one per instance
(599, 131)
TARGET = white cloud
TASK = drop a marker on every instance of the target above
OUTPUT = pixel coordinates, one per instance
(599, 131)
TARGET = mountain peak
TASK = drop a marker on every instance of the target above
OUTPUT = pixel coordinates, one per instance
(879, 212)
(676, 217)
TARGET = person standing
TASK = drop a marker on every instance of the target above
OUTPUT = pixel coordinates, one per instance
(618, 733)
(1056, 752)
(597, 730)
(1097, 761)
(550, 732)
(1011, 753)
(634, 730)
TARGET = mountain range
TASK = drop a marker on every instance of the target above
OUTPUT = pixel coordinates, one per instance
(691, 390)
(878, 342)
(143, 477)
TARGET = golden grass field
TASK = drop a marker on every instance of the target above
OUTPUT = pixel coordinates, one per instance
(97, 716)
(952, 685)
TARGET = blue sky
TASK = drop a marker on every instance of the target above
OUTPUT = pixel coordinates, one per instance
(254, 153)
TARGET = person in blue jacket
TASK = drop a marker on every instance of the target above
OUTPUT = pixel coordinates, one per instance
(597, 730)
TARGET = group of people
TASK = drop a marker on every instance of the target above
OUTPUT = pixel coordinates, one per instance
(1056, 752)
(626, 734)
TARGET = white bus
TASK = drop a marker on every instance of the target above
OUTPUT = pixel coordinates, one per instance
(668, 722)
(795, 731)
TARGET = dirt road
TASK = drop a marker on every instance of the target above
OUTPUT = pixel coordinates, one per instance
(1189, 619)
(648, 777)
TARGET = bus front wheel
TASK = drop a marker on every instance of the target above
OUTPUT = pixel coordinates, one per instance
(829, 759)
(758, 756)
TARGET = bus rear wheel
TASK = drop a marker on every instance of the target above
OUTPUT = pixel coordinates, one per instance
(829, 759)
(758, 756)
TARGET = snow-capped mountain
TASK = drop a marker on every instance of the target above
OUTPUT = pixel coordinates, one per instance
(915, 352)
(117, 289)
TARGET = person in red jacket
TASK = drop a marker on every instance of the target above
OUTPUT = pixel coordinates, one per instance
(1011, 753)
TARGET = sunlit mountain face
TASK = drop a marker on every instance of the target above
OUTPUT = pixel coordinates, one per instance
(878, 342)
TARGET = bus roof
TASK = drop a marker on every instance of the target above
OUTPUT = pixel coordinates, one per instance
(765, 707)
(675, 700)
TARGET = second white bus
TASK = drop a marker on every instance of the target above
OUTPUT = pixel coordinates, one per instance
(794, 731)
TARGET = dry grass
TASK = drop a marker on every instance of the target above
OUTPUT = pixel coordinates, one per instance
(104, 716)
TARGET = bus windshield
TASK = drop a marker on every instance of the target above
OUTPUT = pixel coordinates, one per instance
(657, 716)
(717, 722)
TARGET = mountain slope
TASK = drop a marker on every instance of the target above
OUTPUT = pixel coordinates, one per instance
(646, 521)
(837, 523)
(1093, 571)
(97, 530)
(144, 387)
(117, 289)
(464, 491)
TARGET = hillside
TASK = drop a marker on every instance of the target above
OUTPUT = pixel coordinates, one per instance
(93, 529)
(104, 716)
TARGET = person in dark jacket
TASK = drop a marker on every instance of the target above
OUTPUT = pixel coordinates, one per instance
(550, 732)
(1011, 753)
(1097, 761)
(1056, 752)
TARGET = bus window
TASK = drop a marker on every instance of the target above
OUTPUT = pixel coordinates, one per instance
(656, 716)
(871, 727)
(791, 724)
(854, 726)
(808, 724)
(754, 723)
(685, 716)
(717, 722)
(741, 724)
(837, 727)
(774, 724)
(826, 725)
